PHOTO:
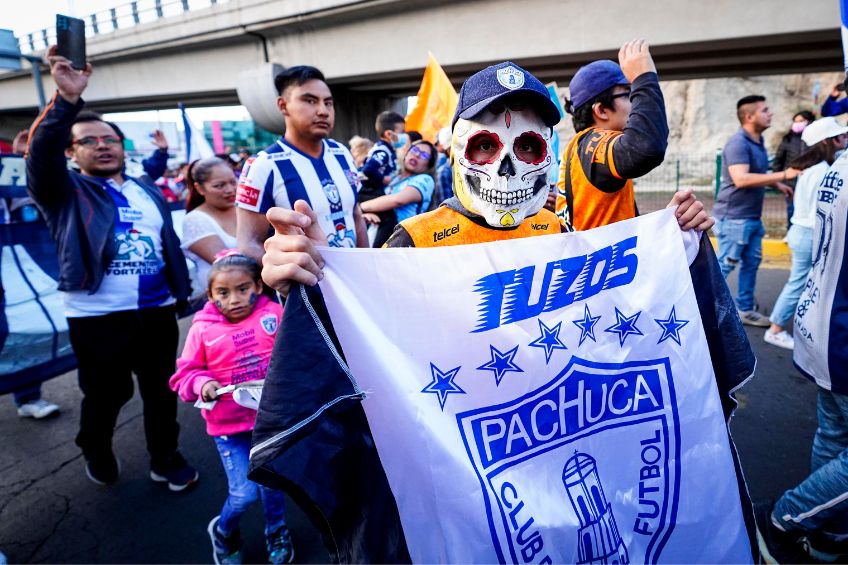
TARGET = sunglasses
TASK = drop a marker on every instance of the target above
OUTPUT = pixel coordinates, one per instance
(621, 95)
(92, 142)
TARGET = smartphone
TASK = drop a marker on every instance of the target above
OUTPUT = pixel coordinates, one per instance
(70, 40)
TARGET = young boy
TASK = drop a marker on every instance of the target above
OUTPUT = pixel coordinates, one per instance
(622, 133)
(379, 167)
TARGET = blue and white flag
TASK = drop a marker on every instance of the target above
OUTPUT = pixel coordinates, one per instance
(547, 400)
(843, 11)
(197, 147)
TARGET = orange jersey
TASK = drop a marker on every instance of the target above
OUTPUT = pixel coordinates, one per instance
(445, 226)
(590, 192)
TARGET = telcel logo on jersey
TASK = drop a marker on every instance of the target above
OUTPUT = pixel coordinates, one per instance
(614, 505)
(508, 297)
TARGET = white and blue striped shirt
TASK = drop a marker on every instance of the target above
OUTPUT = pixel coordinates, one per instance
(282, 174)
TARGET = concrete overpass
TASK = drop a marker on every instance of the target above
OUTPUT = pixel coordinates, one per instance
(373, 51)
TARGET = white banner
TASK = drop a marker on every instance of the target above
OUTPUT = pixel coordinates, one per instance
(543, 400)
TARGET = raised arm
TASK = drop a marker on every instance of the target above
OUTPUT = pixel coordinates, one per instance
(641, 146)
(47, 171)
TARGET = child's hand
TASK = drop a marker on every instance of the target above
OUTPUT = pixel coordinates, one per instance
(207, 393)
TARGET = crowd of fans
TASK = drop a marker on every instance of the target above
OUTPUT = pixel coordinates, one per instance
(308, 185)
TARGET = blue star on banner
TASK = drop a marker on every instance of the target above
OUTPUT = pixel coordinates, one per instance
(443, 384)
(586, 325)
(501, 363)
(671, 327)
(549, 340)
(624, 326)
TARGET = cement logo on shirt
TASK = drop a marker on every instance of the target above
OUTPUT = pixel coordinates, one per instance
(132, 246)
(510, 77)
(595, 504)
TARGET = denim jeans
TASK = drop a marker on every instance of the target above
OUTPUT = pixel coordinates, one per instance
(800, 241)
(28, 394)
(820, 503)
(241, 491)
(740, 242)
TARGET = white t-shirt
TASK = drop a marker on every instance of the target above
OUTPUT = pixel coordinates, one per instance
(805, 195)
(821, 318)
(135, 279)
(282, 174)
(197, 225)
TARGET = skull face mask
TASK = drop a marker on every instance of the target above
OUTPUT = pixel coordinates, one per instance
(502, 157)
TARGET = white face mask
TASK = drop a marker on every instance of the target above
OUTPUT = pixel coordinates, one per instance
(502, 160)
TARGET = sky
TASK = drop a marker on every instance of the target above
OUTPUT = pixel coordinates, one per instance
(42, 13)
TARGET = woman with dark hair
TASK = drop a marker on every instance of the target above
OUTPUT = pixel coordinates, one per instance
(790, 147)
(411, 191)
(825, 137)
(210, 224)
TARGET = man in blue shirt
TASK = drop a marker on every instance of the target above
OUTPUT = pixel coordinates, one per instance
(833, 106)
(739, 205)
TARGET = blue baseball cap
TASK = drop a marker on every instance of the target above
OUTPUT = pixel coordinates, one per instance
(495, 82)
(594, 78)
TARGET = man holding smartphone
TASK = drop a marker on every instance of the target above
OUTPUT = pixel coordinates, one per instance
(121, 306)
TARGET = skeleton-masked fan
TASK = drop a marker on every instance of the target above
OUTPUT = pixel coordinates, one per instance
(501, 153)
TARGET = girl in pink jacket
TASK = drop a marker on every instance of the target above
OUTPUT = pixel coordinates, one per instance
(229, 343)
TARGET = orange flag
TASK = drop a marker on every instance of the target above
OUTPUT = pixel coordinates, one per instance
(436, 102)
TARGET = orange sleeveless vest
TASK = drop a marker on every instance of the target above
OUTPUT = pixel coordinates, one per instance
(444, 226)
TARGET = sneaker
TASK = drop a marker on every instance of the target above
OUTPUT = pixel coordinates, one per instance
(780, 339)
(280, 549)
(753, 318)
(225, 550)
(825, 548)
(103, 469)
(175, 471)
(37, 409)
(778, 545)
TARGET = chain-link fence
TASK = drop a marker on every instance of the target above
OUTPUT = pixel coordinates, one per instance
(702, 173)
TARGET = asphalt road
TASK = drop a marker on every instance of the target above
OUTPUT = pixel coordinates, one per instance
(50, 512)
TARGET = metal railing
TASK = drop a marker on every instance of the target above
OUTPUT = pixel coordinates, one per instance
(120, 17)
(702, 173)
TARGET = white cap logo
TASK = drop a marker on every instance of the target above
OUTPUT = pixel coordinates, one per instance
(510, 77)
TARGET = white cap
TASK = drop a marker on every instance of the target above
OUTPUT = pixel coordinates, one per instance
(444, 137)
(822, 129)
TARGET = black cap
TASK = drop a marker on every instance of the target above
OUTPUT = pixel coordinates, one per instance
(495, 82)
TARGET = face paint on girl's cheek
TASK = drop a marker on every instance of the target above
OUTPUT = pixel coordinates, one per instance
(252, 298)
(219, 306)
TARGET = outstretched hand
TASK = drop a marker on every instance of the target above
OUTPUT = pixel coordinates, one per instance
(290, 254)
(690, 211)
(19, 144)
(69, 81)
(159, 140)
(634, 58)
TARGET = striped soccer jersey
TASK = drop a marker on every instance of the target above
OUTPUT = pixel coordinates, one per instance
(282, 174)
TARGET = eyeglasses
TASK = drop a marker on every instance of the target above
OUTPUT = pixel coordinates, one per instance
(422, 153)
(621, 95)
(92, 142)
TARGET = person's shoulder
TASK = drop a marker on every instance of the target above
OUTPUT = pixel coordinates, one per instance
(422, 180)
(337, 148)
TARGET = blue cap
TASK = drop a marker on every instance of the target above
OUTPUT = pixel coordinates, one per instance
(594, 78)
(495, 82)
